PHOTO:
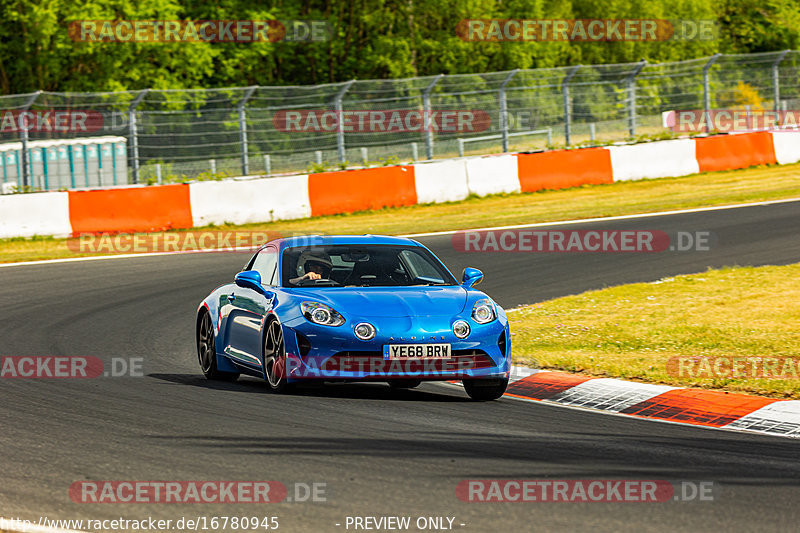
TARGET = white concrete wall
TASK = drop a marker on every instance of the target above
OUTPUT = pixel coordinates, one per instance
(661, 159)
(787, 146)
(441, 181)
(493, 174)
(252, 200)
(42, 213)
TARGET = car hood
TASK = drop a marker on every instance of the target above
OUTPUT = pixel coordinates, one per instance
(390, 301)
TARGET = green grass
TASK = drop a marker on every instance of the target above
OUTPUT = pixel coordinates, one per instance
(622, 198)
(632, 331)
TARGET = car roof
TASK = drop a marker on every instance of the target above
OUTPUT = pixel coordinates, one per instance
(329, 240)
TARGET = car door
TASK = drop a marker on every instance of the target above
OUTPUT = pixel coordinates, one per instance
(248, 309)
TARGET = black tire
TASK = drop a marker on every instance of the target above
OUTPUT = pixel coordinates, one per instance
(484, 390)
(275, 358)
(404, 383)
(207, 351)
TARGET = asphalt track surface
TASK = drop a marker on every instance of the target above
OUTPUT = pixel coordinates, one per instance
(380, 452)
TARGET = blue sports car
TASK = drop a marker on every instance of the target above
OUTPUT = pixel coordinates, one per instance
(354, 308)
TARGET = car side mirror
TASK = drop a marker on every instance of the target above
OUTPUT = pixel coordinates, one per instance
(249, 279)
(471, 276)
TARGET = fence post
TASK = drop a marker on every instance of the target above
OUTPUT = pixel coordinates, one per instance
(776, 84)
(132, 134)
(44, 169)
(631, 82)
(267, 165)
(337, 105)
(85, 165)
(26, 178)
(71, 159)
(565, 93)
(504, 108)
(426, 112)
(243, 127)
(707, 91)
(113, 163)
(99, 149)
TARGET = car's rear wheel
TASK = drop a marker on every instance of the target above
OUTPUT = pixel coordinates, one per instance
(404, 383)
(482, 390)
(275, 357)
(207, 351)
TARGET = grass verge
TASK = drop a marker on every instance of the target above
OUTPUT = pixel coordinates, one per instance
(622, 198)
(632, 331)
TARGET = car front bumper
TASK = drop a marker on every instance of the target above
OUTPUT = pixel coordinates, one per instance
(334, 353)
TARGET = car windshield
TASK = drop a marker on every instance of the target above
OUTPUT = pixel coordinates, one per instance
(362, 266)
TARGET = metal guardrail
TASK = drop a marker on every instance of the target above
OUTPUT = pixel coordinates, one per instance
(504, 137)
(179, 132)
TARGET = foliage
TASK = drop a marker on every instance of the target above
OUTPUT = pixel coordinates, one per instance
(746, 95)
(371, 39)
(314, 167)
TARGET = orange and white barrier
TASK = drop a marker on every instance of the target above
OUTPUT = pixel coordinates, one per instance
(441, 181)
(787, 146)
(251, 200)
(560, 169)
(662, 159)
(331, 193)
(24, 215)
(244, 200)
(130, 209)
(726, 152)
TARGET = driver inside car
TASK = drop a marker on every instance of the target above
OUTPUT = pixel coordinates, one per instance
(314, 264)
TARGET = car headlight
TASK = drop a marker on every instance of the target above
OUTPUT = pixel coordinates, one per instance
(461, 329)
(483, 311)
(321, 314)
(364, 331)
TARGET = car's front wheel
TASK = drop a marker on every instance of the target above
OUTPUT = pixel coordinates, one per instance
(482, 390)
(207, 351)
(275, 357)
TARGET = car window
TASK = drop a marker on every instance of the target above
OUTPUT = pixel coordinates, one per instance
(419, 267)
(365, 266)
(266, 264)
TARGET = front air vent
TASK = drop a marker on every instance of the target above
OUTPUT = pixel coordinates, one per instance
(303, 344)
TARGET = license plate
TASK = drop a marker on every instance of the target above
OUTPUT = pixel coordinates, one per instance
(416, 351)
